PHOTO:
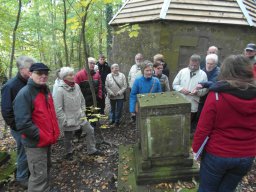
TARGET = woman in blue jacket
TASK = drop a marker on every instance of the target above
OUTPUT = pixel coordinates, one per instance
(144, 84)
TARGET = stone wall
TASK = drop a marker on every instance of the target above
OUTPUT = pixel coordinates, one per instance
(177, 41)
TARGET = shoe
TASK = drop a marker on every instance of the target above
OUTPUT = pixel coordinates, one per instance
(69, 156)
(23, 184)
(112, 122)
(98, 152)
(117, 124)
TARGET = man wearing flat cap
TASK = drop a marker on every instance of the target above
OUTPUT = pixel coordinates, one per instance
(250, 52)
(35, 119)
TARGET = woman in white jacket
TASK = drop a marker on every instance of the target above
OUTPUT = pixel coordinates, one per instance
(70, 108)
(115, 86)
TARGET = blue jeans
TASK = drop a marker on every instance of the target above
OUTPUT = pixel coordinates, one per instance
(219, 174)
(116, 109)
(22, 164)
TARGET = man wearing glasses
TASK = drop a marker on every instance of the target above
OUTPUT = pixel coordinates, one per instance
(82, 80)
(36, 120)
(9, 92)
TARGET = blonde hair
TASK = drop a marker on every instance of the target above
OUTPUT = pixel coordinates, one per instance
(158, 57)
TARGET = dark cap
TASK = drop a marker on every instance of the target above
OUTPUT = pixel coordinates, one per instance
(38, 67)
(251, 47)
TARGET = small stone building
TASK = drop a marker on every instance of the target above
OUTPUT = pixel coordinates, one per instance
(180, 28)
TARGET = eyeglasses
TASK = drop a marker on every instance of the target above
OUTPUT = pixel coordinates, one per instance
(92, 63)
(41, 72)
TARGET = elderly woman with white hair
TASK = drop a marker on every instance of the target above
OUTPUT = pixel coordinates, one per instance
(70, 108)
(212, 71)
(115, 86)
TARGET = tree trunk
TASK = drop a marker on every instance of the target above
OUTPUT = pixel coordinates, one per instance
(86, 55)
(100, 33)
(80, 55)
(64, 32)
(109, 15)
(14, 39)
(53, 19)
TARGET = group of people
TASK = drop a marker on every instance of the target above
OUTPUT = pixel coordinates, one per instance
(223, 108)
(226, 113)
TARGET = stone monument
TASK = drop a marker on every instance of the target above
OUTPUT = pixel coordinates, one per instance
(163, 151)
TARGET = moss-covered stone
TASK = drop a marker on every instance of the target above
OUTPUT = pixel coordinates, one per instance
(177, 41)
(162, 154)
(126, 173)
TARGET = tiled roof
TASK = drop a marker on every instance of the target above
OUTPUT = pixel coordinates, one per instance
(236, 12)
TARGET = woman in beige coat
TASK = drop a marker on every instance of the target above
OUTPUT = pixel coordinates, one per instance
(115, 86)
(70, 108)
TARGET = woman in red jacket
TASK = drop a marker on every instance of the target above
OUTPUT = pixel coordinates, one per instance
(229, 120)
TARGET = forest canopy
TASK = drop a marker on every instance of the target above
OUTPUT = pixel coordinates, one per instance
(50, 31)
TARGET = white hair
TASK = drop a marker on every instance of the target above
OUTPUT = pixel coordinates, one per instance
(24, 62)
(64, 71)
(114, 65)
(91, 59)
(213, 57)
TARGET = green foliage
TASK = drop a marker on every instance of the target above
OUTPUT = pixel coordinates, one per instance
(40, 31)
(132, 30)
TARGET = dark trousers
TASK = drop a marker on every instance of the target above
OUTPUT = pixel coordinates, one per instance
(194, 121)
(221, 174)
(22, 163)
(101, 104)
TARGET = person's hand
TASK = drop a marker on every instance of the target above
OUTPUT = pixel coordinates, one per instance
(199, 86)
(184, 91)
(112, 94)
(193, 92)
(194, 157)
(119, 93)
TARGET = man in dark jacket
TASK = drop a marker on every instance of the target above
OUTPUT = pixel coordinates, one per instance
(36, 120)
(9, 92)
(104, 70)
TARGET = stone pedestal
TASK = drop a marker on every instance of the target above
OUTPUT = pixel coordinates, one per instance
(162, 153)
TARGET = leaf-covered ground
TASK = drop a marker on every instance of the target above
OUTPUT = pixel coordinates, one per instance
(99, 173)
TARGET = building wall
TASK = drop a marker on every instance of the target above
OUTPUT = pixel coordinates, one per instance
(177, 41)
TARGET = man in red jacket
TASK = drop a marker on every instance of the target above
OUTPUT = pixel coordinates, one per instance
(36, 120)
(82, 80)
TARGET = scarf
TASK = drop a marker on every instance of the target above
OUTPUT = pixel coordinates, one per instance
(71, 84)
